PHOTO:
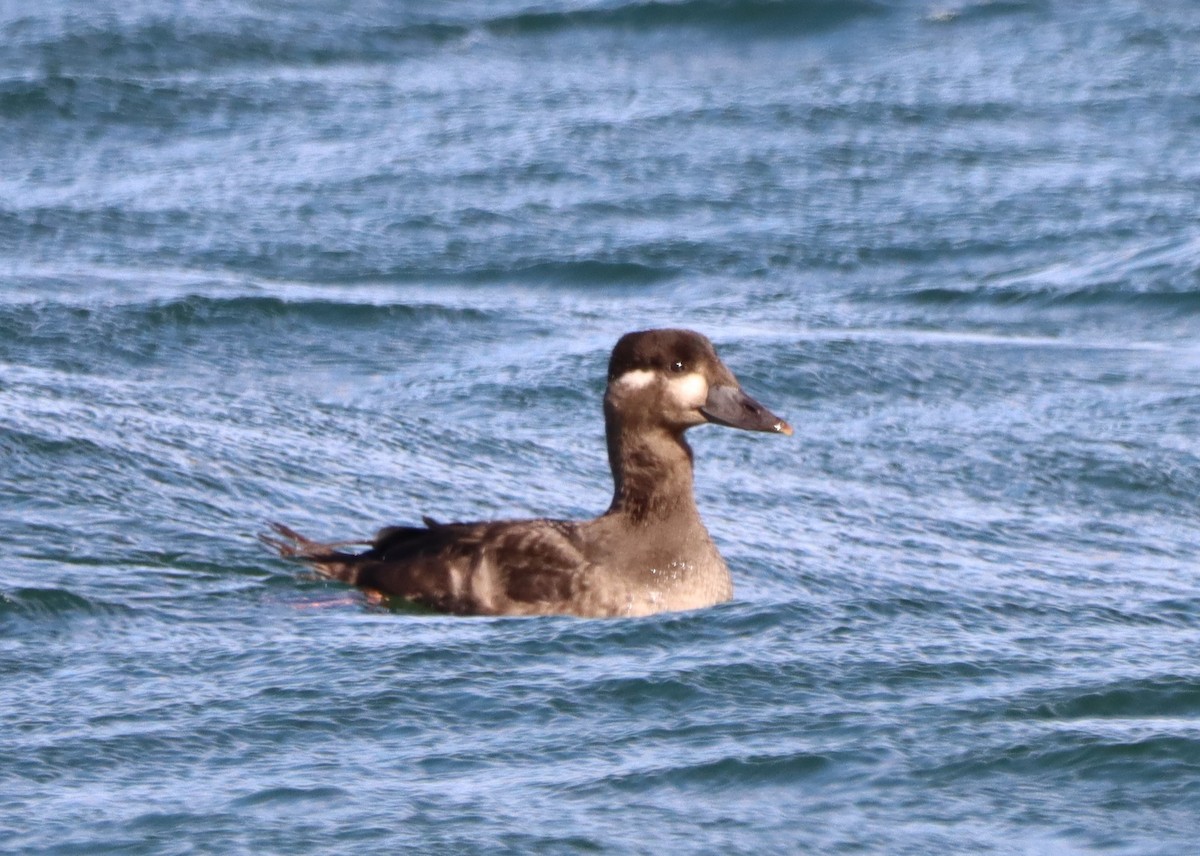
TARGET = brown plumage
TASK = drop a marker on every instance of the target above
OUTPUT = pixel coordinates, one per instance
(649, 552)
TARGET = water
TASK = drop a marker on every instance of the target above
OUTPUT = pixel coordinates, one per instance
(341, 264)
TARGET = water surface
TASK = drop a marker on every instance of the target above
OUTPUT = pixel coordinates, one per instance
(345, 264)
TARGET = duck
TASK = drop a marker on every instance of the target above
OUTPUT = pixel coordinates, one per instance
(648, 553)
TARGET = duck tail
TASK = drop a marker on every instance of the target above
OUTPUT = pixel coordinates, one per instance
(321, 556)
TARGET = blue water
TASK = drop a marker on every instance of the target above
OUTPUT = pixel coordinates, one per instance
(342, 264)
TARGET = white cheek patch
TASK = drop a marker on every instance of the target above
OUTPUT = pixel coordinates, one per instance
(635, 379)
(689, 391)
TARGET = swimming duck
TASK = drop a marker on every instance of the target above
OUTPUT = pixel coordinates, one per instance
(648, 553)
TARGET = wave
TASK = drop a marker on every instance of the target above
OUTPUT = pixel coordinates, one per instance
(730, 771)
(1185, 301)
(156, 43)
(589, 272)
(1128, 729)
(248, 311)
(1151, 697)
(157, 103)
(1085, 753)
(283, 795)
(1098, 296)
(54, 323)
(1164, 275)
(36, 604)
(762, 15)
(984, 10)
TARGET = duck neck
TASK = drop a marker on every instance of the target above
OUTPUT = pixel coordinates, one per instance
(652, 473)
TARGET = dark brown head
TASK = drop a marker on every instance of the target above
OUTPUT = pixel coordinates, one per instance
(674, 379)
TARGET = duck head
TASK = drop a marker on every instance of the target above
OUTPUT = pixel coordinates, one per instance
(674, 379)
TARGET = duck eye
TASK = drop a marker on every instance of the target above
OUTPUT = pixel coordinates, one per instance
(677, 366)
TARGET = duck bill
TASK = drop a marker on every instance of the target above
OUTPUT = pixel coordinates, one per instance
(728, 405)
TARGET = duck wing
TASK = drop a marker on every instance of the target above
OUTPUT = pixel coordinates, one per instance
(516, 567)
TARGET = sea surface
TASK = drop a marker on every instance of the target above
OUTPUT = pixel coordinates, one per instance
(341, 264)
